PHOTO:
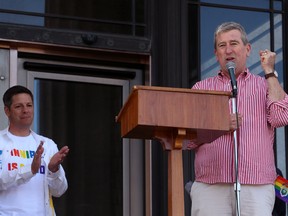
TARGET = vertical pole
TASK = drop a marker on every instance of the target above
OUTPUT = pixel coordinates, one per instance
(237, 186)
(175, 183)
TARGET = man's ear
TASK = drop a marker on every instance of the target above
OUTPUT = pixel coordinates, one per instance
(215, 52)
(7, 110)
(248, 48)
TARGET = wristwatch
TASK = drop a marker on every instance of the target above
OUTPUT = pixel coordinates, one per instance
(272, 74)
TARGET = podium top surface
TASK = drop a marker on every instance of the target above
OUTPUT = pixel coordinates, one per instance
(181, 90)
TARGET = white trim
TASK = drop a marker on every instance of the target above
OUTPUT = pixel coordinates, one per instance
(13, 67)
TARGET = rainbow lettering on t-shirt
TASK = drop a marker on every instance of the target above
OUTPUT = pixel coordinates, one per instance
(22, 153)
(13, 166)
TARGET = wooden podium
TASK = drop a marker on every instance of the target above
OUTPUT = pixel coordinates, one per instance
(174, 116)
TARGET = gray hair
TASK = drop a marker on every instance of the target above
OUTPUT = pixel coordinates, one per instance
(228, 26)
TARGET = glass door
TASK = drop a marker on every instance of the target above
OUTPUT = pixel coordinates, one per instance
(101, 168)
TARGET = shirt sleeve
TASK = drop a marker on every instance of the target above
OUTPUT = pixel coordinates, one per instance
(14, 177)
(278, 112)
(57, 182)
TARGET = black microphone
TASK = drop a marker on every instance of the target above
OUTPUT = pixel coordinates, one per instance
(231, 69)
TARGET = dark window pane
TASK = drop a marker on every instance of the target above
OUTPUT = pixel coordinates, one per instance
(113, 16)
(140, 11)
(118, 10)
(277, 5)
(193, 43)
(140, 31)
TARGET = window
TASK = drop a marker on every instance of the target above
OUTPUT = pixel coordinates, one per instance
(117, 16)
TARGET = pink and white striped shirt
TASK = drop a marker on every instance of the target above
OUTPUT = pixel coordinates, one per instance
(214, 162)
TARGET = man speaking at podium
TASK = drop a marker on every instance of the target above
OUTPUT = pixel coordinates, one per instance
(262, 106)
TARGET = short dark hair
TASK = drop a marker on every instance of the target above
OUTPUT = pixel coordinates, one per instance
(14, 90)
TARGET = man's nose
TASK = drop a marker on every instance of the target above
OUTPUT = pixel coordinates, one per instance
(25, 109)
(228, 49)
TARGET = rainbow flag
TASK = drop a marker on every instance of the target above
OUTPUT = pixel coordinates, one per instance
(281, 188)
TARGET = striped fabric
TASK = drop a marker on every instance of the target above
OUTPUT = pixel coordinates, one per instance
(214, 162)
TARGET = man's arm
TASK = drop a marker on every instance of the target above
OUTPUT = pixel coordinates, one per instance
(275, 90)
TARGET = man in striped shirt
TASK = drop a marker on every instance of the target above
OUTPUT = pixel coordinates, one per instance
(262, 106)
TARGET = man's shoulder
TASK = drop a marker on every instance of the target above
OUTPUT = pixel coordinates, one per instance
(39, 137)
(256, 79)
(3, 137)
(252, 75)
(207, 83)
(3, 132)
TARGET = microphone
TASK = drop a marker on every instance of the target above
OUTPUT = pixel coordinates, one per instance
(231, 69)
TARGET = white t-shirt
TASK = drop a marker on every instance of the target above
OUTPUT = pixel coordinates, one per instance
(28, 198)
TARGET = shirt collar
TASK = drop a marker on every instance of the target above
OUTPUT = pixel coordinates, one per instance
(245, 74)
(6, 130)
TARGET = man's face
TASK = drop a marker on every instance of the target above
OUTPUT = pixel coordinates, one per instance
(21, 111)
(229, 47)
